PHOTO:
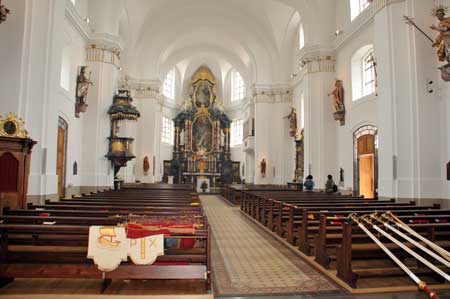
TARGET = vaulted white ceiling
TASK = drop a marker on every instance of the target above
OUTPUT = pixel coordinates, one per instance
(257, 37)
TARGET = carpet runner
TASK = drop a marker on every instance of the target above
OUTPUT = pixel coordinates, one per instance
(246, 260)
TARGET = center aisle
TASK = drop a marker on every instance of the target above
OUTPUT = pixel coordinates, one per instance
(246, 260)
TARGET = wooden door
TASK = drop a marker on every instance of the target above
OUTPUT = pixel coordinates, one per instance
(366, 175)
(366, 158)
(60, 161)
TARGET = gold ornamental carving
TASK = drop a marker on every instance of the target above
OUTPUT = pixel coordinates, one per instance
(12, 127)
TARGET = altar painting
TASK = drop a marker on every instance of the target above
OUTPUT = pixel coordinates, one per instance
(202, 138)
(203, 96)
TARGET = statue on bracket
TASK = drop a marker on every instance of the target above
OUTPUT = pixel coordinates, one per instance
(263, 166)
(442, 41)
(338, 102)
(83, 84)
(292, 123)
(146, 165)
(4, 12)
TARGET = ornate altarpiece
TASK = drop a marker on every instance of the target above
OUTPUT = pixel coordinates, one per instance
(202, 137)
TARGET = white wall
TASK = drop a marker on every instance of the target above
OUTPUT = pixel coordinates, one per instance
(359, 112)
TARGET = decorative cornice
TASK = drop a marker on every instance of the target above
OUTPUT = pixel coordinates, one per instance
(271, 94)
(364, 19)
(142, 89)
(314, 62)
(318, 64)
(99, 52)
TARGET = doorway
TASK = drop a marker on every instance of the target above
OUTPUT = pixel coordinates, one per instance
(366, 162)
(61, 156)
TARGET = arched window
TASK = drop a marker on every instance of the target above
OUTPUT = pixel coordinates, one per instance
(301, 37)
(169, 85)
(363, 73)
(237, 86)
(357, 7)
(167, 129)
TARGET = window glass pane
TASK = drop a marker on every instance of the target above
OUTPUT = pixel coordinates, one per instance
(167, 129)
(358, 6)
(237, 87)
(237, 132)
(368, 69)
(169, 85)
(301, 38)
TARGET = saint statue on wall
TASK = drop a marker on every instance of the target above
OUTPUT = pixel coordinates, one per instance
(146, 165)
(338, 102)
(3, 12)
(442, 41)
(263, 168)
(292, 123)
(83, 84)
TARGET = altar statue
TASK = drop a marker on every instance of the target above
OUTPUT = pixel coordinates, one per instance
(442, 41)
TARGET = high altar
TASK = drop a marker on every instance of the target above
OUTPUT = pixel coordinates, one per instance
(202, 137)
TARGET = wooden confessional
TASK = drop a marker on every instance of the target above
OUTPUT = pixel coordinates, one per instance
(15, 156)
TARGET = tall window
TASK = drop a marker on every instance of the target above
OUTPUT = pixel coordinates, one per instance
(357, 7)
(237, 132)
(301, 37)
(73, 2)
(169, 85)
(167, 130)
(237, 87)
(363, 73)
(368, 69)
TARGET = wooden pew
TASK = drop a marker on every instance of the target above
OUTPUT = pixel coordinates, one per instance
(42, 240)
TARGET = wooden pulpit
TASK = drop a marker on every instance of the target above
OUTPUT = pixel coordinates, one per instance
(15, 156)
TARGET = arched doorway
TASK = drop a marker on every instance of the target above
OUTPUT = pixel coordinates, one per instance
(365, 141)
(61, 152)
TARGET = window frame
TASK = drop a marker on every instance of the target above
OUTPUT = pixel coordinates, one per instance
(368, 82)
(357, 7)
(167, 130)
(358, 75)
(168, 88)
(237, 133)
(238, 89)
(301, 37)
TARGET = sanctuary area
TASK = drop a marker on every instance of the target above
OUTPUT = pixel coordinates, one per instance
(224, 149)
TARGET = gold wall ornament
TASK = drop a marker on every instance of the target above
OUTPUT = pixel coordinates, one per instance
(12, 127)
(203, 73)
(4, 12)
